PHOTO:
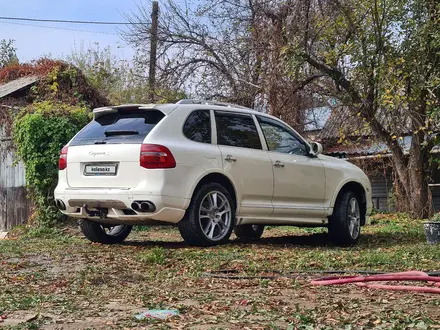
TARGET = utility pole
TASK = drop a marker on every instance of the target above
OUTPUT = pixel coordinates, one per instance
(153, 50)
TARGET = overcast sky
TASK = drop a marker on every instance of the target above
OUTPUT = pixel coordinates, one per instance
(33, 42)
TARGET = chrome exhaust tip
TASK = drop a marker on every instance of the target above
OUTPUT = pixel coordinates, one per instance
(143, 206)
(60, 204)
(135, 206)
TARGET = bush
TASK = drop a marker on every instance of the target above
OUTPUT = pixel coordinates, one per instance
(39, 132)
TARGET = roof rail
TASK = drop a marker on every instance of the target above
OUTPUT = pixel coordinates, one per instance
(222, 104)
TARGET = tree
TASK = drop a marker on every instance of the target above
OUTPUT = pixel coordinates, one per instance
(383, 57)
(8, 53)
(116, 78)
(194, 53)
(228, 50)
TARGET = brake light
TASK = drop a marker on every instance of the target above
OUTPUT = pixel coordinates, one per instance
(62, 162)
(155, 156)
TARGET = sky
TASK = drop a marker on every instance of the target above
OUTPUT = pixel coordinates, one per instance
(33, 42)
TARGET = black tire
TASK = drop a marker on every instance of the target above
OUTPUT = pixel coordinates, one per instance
(190, 226)
(340, 231)
(249, 232)
(96, 232)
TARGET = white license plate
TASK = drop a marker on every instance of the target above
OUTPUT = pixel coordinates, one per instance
(99, 169)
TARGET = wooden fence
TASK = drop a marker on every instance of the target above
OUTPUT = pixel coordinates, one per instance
(15, 207)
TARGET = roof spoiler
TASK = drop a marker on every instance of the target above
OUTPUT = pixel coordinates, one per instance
(99, 112)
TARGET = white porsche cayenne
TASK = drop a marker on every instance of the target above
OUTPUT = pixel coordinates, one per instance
(208, 167)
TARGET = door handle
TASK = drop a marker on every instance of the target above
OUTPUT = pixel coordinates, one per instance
(278, 164)
(229, 158)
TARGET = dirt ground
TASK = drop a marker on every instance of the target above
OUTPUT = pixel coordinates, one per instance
(65, 282)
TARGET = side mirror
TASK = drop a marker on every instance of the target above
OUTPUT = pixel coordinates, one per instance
(316, 148)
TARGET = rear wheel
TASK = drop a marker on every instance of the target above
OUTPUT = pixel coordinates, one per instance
(345, 223)
(102, 233)
(210, 217)
(249, 231)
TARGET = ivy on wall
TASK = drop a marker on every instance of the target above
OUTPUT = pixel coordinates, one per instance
(39, 133)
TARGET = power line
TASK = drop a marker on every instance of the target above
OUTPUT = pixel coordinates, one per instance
(66, 21)
(59, 28)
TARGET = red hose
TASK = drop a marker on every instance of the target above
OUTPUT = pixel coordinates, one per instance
(402, 276)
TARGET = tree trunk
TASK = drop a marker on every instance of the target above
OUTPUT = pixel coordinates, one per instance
(419, 197)
(413, 194)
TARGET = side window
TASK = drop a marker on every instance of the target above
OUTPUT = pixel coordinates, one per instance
(237, 130)
(281, 139)
(198, 126)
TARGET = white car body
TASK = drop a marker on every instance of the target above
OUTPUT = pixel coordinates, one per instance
(270, 188)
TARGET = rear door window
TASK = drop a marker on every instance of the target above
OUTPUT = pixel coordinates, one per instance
(124, 126)
(237, 130)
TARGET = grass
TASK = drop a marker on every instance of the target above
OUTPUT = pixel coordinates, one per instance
(94, 285)
(155, 256)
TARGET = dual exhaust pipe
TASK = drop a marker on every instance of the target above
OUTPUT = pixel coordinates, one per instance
(143, 206)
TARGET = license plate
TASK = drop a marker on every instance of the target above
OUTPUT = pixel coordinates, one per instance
(100, 169)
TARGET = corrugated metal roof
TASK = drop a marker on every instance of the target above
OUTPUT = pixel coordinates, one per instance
(365, 147)
(16, 85)
(372, 148)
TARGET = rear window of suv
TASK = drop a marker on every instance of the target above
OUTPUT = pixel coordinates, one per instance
(124, 126)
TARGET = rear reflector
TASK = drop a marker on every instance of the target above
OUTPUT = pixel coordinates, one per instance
(62, 162)
(155, 156)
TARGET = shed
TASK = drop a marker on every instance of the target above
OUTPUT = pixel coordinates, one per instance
(15, 206)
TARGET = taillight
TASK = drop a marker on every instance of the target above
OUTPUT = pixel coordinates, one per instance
(62, 163)
(156, 156)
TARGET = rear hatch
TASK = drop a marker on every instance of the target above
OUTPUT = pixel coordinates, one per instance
(105, 154)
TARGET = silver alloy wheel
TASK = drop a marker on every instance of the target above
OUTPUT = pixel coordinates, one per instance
(354, 218)
(112, 230)
(215, 215)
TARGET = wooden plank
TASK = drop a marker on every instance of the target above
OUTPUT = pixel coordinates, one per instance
(3, 216)
(18, 207)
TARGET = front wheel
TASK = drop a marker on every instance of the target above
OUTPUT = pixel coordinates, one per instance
(102, 233)
(345, 223)
(210, 217)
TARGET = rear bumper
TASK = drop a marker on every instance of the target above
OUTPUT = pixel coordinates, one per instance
(118, 201)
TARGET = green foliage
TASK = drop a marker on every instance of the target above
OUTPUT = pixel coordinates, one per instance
(141, 228)
(436, 217)
(101, 68)
(39, 133)
(8, 53)
(44, 231)
(118, 79)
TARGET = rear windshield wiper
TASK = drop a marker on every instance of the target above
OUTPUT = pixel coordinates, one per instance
(113, 133)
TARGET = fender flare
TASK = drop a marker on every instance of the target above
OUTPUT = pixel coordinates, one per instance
(203, 175)
(341, 186)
